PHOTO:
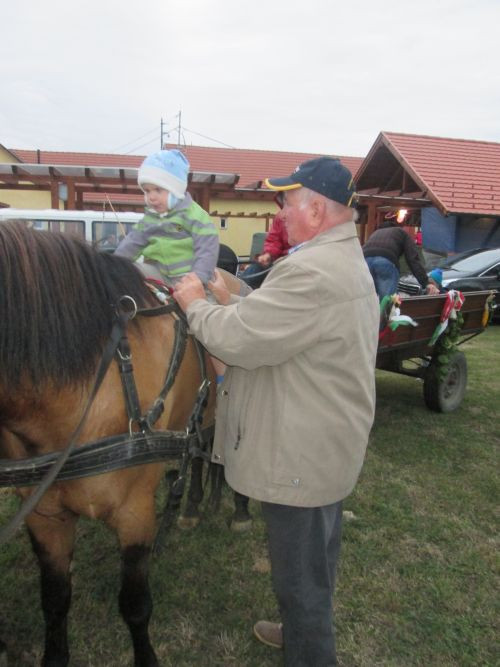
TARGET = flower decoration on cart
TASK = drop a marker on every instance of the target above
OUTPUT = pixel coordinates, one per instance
(447, 333)
(452, 305)
(390, 315)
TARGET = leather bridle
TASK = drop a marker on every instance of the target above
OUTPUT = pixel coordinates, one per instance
(116, 452)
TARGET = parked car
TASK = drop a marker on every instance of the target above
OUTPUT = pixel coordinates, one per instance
(468, 271)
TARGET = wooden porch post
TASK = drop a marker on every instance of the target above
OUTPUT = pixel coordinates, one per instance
(71, 201)
(371, 220)
(205, 198)
(54, 194)
(79, 200)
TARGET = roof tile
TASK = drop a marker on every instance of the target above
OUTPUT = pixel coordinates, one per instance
(251, 165)
(462, 175)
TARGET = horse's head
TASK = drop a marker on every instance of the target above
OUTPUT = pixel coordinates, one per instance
(57, 299)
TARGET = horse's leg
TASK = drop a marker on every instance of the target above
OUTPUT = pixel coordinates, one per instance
(135, 525)
(3, 654)
(191, 515)
(53, 540)
(242, 519)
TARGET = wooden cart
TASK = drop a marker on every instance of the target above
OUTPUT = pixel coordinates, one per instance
(407, 351)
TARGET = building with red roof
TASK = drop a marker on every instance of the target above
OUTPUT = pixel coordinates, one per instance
(450, 188)
(227, 182)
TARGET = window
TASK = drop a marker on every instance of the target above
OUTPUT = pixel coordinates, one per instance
(223, 223)
(71, 227)
(108, 234)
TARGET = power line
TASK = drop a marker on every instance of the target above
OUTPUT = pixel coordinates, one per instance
(205, 137)
(115, 150)
(136, 148)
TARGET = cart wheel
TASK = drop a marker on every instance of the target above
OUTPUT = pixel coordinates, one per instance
(446, 394)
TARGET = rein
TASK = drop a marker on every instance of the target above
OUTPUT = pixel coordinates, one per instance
(125, 450)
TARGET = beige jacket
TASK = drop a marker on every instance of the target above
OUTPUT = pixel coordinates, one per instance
(297, 403)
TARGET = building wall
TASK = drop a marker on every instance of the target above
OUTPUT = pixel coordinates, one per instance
(6, 156)
(21, 198)
(238, 232)
(25, 199)
(438, 231)
(452, 233)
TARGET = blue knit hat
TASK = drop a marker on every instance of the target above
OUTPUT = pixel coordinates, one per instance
(166, 169)
(437, 276)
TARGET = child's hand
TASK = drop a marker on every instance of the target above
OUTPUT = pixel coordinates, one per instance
(188, 289)
(218, 287)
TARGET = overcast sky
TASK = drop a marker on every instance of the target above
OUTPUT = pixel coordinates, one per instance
(321, 76)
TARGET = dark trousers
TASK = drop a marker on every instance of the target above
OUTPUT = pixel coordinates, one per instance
(304, 547)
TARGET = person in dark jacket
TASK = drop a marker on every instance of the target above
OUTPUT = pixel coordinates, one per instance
(382, 252)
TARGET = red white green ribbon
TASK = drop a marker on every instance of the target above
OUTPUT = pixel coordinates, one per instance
(391, 313)
(453, 302)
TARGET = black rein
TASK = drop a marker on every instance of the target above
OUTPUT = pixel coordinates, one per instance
(118, 451)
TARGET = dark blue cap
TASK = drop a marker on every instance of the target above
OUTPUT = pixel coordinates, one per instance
(326, 175)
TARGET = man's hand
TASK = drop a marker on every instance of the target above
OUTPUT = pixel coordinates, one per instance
(218, 287)
(188, 289)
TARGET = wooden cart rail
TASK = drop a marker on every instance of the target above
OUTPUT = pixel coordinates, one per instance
(426, 311)
(442, 393)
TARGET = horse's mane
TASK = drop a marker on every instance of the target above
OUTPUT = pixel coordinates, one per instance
(57, 297)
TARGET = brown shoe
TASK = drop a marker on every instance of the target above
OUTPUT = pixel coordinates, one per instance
(269, 633)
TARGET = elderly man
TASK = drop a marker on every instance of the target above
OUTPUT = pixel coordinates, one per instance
(297, 401)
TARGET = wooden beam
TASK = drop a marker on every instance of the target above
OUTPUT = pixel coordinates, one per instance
(397, 173)
(371, 221)
(204, 197)
(54, 194)
(25, 186)
(71, 202)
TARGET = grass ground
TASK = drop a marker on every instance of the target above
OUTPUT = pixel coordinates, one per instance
(419, 574)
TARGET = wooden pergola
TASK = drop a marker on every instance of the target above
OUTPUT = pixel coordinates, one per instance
(84, 187)
(374, 206)
(71, 183)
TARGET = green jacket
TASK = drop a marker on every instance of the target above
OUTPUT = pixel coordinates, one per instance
(182, 240)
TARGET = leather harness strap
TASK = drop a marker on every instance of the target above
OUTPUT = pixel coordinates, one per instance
(129, 449)
(29, 504)
(106, 455)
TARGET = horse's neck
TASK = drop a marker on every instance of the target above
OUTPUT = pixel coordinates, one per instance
(234, 284)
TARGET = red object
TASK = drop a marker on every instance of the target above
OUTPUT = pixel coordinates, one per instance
(276, 242)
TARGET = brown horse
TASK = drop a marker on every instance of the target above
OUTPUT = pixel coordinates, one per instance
(57, 299)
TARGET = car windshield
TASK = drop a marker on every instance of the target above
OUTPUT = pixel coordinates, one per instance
(476, 262)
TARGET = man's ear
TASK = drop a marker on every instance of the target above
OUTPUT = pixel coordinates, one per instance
(317, 206)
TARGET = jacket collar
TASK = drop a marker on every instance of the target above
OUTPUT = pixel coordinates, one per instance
(341, 232)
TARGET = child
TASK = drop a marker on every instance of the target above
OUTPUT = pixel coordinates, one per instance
(436, 278)
(175, 235)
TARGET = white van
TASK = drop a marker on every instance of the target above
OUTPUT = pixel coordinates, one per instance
(104, 229)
